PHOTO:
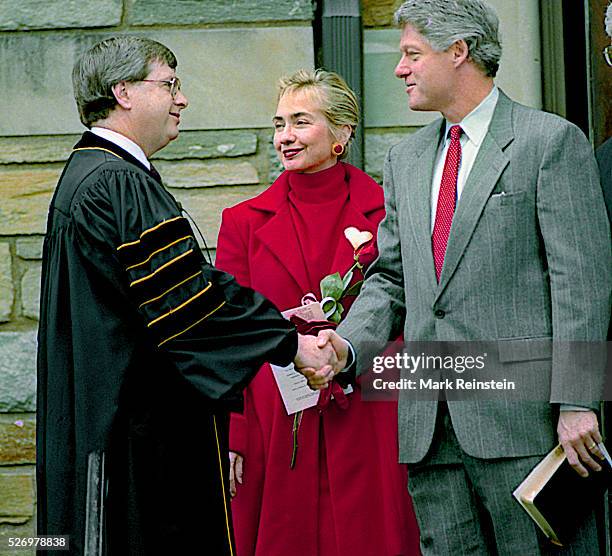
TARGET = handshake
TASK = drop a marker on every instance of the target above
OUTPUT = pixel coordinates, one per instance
(320, 358)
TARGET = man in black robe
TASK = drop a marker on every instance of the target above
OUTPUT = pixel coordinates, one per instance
(143, 345)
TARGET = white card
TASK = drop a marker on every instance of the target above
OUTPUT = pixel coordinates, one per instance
(294, 389)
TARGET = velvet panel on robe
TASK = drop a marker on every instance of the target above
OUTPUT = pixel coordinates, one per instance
(277, 510)
(142, 349)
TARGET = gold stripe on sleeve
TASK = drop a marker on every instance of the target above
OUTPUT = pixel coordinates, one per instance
(229, 535)
(171, 311)
(135, 242)
(191, 326)
(156, 252)
(149, 231)
(162, 267)
(170, 289)
(160, 225)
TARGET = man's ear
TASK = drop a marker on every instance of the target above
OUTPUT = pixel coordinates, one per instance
(122, 94)
(460, 52)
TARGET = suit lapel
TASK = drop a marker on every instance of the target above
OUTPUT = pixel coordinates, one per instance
(488, 167)
(418, 199)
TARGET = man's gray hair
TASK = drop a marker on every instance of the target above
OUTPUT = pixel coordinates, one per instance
(443, 22)
(125, 58)
(609, 20)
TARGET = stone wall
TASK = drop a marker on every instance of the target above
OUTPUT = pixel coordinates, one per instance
(230, 57)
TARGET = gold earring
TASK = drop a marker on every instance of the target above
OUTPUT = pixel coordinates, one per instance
(337, 149)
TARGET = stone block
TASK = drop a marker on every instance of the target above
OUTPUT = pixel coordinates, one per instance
(376, 147)
(6, 282)
(520, 68)
(30, 292)
(276, 167)
(59, 14)
(193, 12)
(27, 529)
(220, 96)
(204, 174)
(209, 144)
(205, 206)
(29, 248)
(42, 65)
(25, 194)
(17, 439)
(190, 144)
(385, 102)
(378, 13)
(17, 500)
(17, 372)
(49, 148)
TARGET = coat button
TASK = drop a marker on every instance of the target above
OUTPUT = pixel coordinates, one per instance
(439, 314)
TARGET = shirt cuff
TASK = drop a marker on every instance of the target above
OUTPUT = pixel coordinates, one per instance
(350, 362)
(568, 407)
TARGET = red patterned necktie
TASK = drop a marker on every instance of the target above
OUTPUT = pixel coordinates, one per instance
(446, 199)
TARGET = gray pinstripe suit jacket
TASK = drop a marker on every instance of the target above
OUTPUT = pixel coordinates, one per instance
(531, 263)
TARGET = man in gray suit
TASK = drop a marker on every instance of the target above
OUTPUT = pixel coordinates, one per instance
(495, 229)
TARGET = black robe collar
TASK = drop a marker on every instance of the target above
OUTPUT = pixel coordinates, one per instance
(91, 140)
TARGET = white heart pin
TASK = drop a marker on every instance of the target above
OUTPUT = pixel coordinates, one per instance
(357, 238)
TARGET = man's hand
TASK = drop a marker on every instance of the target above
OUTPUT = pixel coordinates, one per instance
(338, 343)
(235, 472)
(316, 364)
(579, 435)
(320, 359)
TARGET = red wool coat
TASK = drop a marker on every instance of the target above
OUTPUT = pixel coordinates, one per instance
(346, 494)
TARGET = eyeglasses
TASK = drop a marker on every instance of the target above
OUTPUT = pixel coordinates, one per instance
(174, 84)
(607, 53)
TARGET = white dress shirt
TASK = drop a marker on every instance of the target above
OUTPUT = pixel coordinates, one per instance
(475, 126)
(123, 142)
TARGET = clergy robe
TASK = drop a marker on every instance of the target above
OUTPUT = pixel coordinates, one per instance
(143, 347)
(347, 494)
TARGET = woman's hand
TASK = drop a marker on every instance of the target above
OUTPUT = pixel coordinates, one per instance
(235, 474)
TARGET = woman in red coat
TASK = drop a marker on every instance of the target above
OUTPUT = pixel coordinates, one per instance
(343, 493)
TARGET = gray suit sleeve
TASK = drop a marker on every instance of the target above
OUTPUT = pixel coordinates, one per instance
(576, 234)
(377, 316)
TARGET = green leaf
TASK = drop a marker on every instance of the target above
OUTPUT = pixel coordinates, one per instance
(331, 286)
(355, 288)
(335, 317)
(347, 279)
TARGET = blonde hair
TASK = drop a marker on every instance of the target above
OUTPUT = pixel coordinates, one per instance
(336, 99)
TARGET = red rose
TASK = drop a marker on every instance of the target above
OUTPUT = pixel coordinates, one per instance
(367, 253)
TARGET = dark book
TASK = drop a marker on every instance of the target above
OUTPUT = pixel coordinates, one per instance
(557, 498)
